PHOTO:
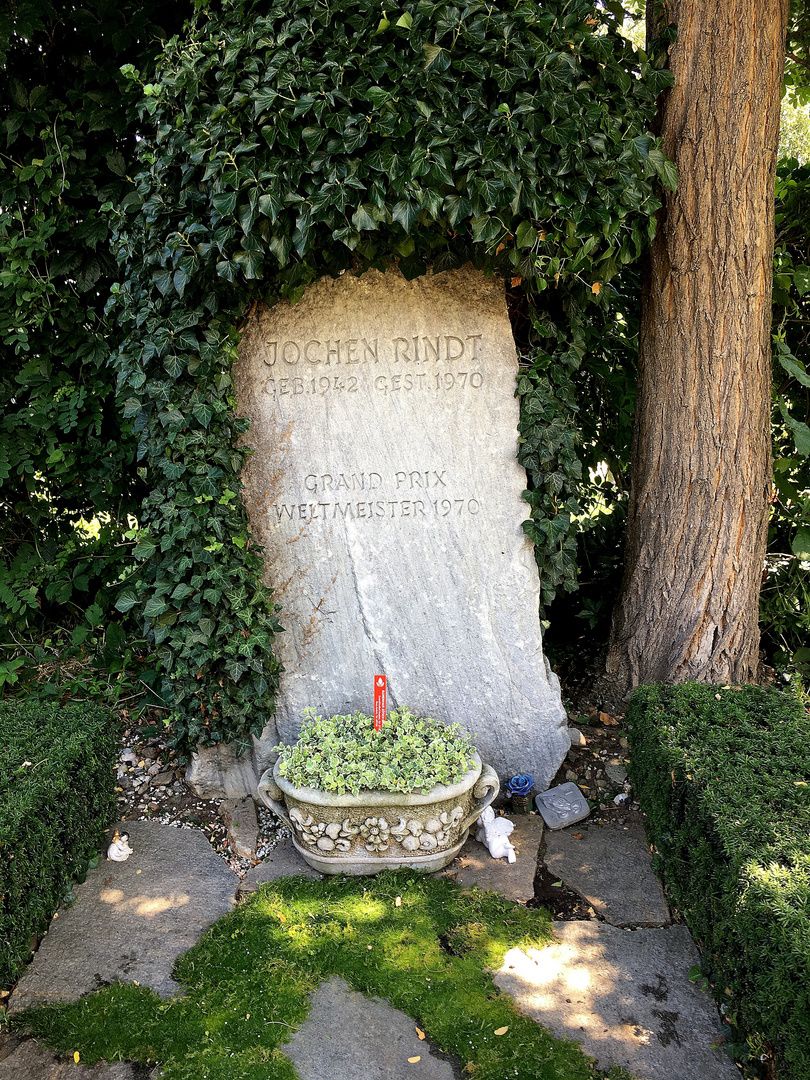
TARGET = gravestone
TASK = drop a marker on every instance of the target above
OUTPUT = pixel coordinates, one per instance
(385, 490)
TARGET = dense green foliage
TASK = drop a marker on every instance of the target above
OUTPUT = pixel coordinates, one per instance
(577, 456)
(345, 753)
(56, 797)
(247, 981)
(66, 115)
(785, 606)
(723, 775)
(290, 141)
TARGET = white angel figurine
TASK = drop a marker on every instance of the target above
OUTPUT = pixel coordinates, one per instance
(493, 832)
(119, 850)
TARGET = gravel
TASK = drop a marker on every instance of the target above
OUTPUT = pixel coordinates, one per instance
(150, 786)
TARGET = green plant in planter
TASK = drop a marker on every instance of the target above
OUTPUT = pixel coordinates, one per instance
(345, 753)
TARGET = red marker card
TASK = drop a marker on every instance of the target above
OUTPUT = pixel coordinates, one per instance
(380, 703)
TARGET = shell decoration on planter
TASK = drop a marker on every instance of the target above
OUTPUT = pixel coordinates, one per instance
(370, 830)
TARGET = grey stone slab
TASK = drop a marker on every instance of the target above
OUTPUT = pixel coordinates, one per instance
(348, 1036)
(610, 867)
(385, 490)
(22, 1058)
(625, 996)
(218, 772)
(617, 773)
(475, 866)
(283, 861)
(239, 816)
(131, 920)
(562, 805)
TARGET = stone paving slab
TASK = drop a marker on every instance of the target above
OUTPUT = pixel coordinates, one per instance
(239, 816)
(610, 867)
(21, 1058)
(625, 996)
(131, 920)
(283, 861)
(475, 866)
(348, 1036)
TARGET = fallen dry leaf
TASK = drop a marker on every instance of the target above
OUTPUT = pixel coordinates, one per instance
(597, 285)
(398, 901)
(501, 1031)
(76, 1056)
(577, 835)
(420, 1033)
(608, 720)
(414, 1060)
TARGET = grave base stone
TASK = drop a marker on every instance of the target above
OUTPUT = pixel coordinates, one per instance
(385, 490)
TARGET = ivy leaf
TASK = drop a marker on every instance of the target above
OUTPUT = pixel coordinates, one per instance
(665, 169)
(457, 208)
(269, 205)
(145, 548)
(280, 247)
(406, 214)
(264, 99)
(174, 366)
(154, 607)
(436, 58)
(362, 218)
(251, 263)
(641, 145)
(224, 202)
(203, 412)
(526, 235)
(163, 281)
(127, 600)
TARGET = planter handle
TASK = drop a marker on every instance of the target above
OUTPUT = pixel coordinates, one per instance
(486, 788)
(273, 797)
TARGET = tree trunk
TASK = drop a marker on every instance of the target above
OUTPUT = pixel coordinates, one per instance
(701, 473)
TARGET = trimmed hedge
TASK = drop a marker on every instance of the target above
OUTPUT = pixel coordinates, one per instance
(57, 794)
(723, 774)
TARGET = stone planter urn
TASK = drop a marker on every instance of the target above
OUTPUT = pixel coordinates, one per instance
(380, 830)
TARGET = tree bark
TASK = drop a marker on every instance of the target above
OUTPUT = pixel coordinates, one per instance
(701, 473)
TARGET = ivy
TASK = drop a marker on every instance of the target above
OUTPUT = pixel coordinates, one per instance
(550, 439)
(285, 141)
(66, 134)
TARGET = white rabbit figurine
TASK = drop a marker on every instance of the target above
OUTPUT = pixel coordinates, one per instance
(493, 833)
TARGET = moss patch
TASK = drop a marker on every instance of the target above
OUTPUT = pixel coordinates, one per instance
(425, 945)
